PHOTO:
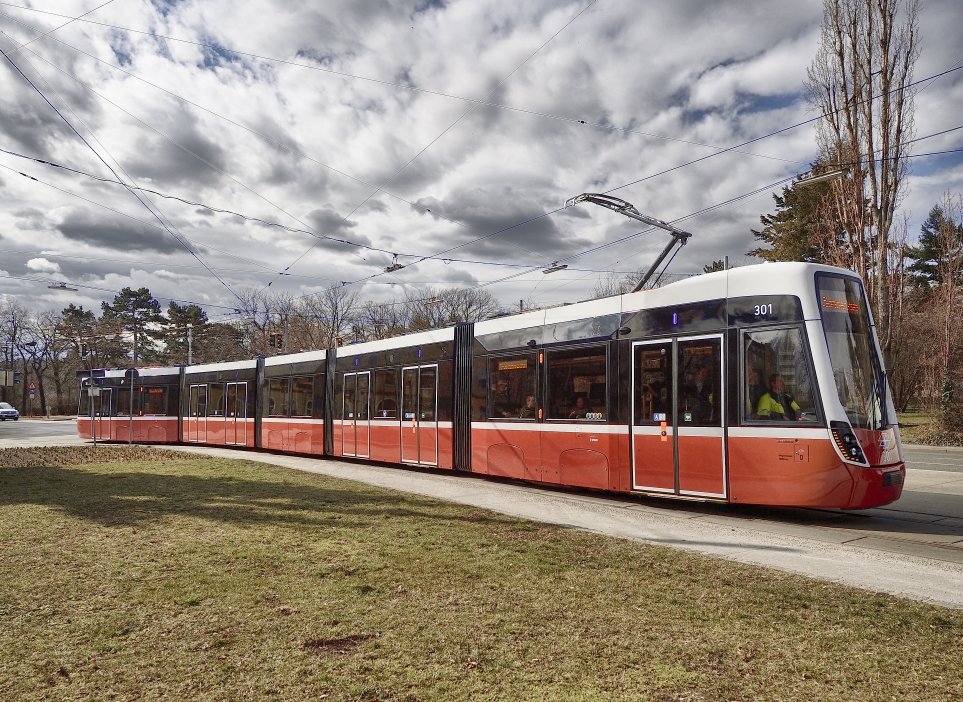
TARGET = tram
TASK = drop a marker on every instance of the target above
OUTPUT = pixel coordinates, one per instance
(756, 385)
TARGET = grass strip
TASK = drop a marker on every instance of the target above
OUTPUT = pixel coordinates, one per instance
(179, 577)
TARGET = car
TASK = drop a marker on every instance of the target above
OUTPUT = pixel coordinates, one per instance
(8, 411)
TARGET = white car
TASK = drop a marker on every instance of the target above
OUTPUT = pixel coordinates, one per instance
(8, 411)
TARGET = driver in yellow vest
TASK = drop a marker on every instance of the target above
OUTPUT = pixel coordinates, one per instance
(777, 404)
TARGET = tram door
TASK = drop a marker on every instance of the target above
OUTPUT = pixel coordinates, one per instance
(197, 413)
(355, 421)
(235, 412)
(678, 428)
(102, 411)
(419, 415)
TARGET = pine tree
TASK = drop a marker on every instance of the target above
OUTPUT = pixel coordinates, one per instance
(791, 232)
(137, 313)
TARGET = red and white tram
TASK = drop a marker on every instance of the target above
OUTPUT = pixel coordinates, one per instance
(756, 385)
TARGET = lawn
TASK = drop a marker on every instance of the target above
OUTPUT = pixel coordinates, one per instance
(914, 426)
(154, 575)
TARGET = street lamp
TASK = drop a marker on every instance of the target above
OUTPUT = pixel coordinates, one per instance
(821, 178)
(61, 286)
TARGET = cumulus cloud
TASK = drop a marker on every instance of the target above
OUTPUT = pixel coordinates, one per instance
(626, 94)
(42, 265)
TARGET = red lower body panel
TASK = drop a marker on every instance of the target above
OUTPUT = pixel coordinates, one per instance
(293, 435)
(146, 430)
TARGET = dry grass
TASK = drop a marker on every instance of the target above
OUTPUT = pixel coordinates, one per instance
(206, 579)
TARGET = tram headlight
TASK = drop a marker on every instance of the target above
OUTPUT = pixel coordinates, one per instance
(847, 442)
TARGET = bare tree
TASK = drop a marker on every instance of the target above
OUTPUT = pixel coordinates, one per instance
(330, 315)
(859, 82)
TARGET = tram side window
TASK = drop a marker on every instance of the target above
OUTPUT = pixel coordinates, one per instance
(215, 400)
(319, 389)
(122, 403)
(576, 384)
(479, 388)
(154, 401)
(386, 394)
(777, 385)
(278, 397)
(302, 396)
(512, 387)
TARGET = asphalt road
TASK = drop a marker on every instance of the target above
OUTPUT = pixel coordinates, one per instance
(48, 432)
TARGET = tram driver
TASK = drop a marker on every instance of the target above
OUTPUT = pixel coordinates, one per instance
(777, 404)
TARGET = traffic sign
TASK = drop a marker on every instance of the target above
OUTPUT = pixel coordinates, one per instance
(32, 387)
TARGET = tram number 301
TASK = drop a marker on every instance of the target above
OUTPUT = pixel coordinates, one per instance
(763, 310)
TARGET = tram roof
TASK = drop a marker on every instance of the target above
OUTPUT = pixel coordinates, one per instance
(221, 366)
(784, 278)
(422, 338)
(143, 372)
(299, 357)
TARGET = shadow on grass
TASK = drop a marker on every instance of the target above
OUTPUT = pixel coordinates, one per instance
(133, 498)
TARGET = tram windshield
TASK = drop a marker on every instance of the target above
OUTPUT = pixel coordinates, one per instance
(859, 377)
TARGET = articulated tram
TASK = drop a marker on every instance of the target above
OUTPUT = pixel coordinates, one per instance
(756, 385)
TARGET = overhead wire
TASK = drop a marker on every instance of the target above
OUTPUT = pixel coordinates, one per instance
(212, 208)
(729, 149)
(71, 21)
(151, 206)
(449, 128)
(927, 80)
(266, 138)
(482, 103)
(92, 149)
(689, 163)
(48, 281)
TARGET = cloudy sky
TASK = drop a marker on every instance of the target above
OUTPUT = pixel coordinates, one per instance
(421, 128)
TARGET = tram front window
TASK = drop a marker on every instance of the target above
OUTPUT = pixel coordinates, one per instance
(777, 385)
(856, 368)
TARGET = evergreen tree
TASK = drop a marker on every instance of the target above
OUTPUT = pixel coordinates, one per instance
(924, 270)
(790, 232)
(138, 314)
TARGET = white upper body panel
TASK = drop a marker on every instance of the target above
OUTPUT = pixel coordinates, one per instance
(225, 366)
(301, 357)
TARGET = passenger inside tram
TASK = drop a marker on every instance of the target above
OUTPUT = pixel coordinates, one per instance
(580, 409)
(528, 411)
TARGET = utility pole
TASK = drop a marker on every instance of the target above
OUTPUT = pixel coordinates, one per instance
(287, 336)
(190, 344)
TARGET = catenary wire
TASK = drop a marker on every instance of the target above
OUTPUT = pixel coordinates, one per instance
(151, 206)
(230, 212)
(402, 86)
(266, 138)
(72, 20)
(134, 193)
(927, 80)
(448, 129)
